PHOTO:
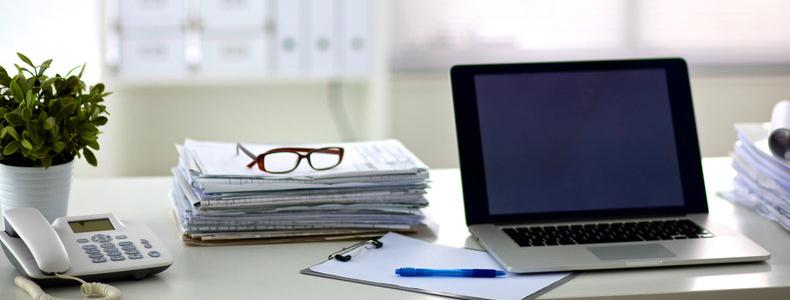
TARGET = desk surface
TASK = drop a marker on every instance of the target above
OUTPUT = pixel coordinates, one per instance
(272, 271)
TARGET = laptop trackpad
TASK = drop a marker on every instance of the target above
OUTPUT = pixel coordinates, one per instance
(631, 252)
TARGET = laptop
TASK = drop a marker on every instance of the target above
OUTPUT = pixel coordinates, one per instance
(586, 165)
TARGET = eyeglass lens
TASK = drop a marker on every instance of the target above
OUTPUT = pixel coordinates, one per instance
(280, 162)
(287, 161)
(322, 160)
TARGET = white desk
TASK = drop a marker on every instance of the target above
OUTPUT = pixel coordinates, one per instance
(272, 271)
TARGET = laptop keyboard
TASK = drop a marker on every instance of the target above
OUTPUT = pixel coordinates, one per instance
(616, 232)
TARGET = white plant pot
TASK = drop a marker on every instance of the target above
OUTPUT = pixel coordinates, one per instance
(44, 189)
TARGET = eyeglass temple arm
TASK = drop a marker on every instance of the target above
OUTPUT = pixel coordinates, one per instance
(337, 150)
(254, 158)
(243, 149)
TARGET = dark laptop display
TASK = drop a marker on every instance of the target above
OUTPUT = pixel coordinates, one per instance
(570, 140)
(567, 141)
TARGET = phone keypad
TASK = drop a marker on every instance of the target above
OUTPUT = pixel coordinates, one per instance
(128, 249)
(99, 260)
(101, 238)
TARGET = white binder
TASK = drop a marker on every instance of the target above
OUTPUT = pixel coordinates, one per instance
(152, 13)
(237, 53)
(233, 14)
(160, 54)
(323, 38)
(290, 38)
(356, 44)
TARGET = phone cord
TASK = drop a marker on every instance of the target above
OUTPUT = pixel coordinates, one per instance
(88, 289)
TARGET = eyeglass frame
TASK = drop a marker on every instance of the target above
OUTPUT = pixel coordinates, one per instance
(259, 159)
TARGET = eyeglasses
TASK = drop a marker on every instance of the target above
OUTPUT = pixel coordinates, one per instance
(285, 160)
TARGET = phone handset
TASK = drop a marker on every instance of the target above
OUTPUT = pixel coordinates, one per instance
(44, 244)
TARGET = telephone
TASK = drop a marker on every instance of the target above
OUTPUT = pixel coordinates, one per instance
(94, 247)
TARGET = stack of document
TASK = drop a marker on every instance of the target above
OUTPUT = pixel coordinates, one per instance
(378, 187)
(762, 182)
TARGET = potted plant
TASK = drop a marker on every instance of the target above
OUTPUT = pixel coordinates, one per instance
(44, 123)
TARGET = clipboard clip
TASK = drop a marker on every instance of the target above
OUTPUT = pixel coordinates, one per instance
(345, 254)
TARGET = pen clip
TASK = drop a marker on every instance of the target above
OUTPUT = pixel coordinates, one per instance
(345, 254)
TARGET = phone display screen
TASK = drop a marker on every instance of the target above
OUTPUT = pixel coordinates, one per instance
(91, 225)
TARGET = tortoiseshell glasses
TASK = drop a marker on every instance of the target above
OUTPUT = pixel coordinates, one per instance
(285, 160)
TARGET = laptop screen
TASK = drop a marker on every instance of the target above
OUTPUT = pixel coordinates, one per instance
(562, 141)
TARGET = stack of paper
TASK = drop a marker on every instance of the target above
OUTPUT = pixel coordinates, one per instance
(762, 182)
(378, 187)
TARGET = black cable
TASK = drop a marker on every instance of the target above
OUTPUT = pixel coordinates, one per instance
(338, 109)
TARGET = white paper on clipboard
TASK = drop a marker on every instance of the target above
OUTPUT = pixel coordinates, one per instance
(377, 267)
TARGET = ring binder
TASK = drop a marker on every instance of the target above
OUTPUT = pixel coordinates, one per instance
(356, 248)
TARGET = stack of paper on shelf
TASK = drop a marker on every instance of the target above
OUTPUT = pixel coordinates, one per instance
(378, 187)
(762, 182)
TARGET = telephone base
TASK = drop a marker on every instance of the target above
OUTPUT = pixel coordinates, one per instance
(137, 274)
(124, 275)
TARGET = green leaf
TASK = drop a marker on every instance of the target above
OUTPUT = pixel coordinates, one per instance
(72, 70)
(88, 128)
(30, 99)
(21, 70)
(98, 88)
(48, 82)
(49, 123)
(14, 118)
(4, 78)
(44, 66)
(99, 121)
(89, 136)
(25, 59)
(25, 143)
(93, 144)
(59, 146)
(46, 161)
(66, 110)
(89, 156)
(11, 148)
(81, 71)
(16, 91)
(26, 113)
(9, 130)
(54, 106)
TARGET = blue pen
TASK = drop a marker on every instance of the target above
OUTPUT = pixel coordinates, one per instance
(419, 272)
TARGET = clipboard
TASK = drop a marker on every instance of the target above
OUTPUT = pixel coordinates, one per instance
(370, 265)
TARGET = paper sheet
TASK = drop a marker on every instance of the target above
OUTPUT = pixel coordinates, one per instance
(360, 159)
(762, 182)
(377, 266)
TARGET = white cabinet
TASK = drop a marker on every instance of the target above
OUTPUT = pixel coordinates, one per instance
(330, 43)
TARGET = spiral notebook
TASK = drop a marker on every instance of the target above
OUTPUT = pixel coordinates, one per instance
(376, 266)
